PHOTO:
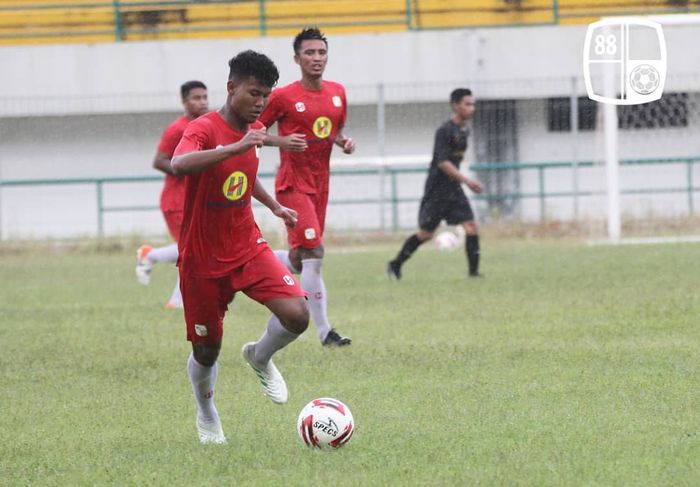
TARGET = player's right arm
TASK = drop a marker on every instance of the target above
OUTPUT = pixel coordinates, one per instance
(161, 162)
(168, 142)
(189, 157)
(274, 111)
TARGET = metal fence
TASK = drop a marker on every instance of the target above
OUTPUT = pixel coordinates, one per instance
(389, 199)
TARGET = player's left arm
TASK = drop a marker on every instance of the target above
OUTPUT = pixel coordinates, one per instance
(453, 173)
(287, 214)
(341, 140)
(291, 142)
(344, 142)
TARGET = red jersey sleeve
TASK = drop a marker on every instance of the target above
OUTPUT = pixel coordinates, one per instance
(273, 111)
(196, 137)
(171, 137)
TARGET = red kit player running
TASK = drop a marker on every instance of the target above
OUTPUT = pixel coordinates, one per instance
(222, 250)
(310, 116)
(172, 197)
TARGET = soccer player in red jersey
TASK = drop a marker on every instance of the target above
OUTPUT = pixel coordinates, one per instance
(222, 250)
(196, 103)
(310, 115)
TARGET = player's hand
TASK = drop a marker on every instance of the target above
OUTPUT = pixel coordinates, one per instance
(294, 143)
(253, 137)
(474, 185)
(287, 214)
(348, 146)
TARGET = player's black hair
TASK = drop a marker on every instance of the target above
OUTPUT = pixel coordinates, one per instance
(457, 95)
(189, 86)
(250, 63)
(308, 34)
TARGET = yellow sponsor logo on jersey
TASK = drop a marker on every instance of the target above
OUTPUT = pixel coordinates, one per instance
(322, 127)
(235, 186)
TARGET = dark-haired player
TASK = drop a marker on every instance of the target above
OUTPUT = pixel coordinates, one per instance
(310, 115)
(221, 248)
(195, 101)
(444, 198)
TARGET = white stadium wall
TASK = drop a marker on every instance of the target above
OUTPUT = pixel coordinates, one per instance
(98, 110)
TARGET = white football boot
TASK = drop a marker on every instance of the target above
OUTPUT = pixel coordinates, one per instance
(210, 433)
(143, 265)
(272, 382)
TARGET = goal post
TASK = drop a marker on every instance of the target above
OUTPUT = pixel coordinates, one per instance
(677, 109)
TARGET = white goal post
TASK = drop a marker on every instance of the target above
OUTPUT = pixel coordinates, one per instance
(611, 130)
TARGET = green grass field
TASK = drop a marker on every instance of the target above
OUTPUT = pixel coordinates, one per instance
(567, 365)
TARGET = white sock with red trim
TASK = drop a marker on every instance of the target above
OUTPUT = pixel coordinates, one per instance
(275, 338)
(312, 282)
(203, 380)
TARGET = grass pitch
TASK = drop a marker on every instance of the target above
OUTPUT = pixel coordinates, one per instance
(566, 365)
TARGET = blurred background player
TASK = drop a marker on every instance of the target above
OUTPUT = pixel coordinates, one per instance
(310, 115)
(222, 250)
(196, 103)
(444, 198)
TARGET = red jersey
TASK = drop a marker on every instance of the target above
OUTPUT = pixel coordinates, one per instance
(173, 193)
(319, 114)
(219, 232)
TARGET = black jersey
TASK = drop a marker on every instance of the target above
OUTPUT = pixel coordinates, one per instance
(450, 145)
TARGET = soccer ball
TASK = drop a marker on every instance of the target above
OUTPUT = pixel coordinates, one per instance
(325, 423)
(446, 241)
(644, 79)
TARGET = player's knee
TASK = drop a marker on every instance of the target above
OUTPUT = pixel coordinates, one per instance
(206, 355)
(314, 253)
(296, 318)
(424, 235)
(470, 228)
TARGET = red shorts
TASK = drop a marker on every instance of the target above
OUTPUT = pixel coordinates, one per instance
(311, 209)
(206, 299)
(173, 219)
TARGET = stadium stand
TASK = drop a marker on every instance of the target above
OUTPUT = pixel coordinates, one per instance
(70, 21)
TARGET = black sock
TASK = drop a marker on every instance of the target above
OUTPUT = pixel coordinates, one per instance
(472, 247)
(409, 246)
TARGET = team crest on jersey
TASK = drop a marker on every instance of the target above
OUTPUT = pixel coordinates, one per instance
(337, 102)
(322, 127)
(235, 186)
(300, 106)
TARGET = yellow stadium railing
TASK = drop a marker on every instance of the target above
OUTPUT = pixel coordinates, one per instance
(66, 21)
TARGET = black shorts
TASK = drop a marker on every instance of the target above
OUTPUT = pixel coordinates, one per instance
(454, 211)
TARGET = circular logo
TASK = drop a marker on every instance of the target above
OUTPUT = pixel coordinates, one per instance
(322, 127)
(235, 186)
(644, 79)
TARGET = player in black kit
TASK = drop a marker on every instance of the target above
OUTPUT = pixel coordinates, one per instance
(444, 198)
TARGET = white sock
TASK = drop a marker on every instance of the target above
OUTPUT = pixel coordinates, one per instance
(283, 256)
(164, 254)
(176, 297)
(275, 338)
(312, 283)
(203, 380)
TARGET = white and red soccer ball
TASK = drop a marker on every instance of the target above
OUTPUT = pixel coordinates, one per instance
(446, 241)
(325, 423)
